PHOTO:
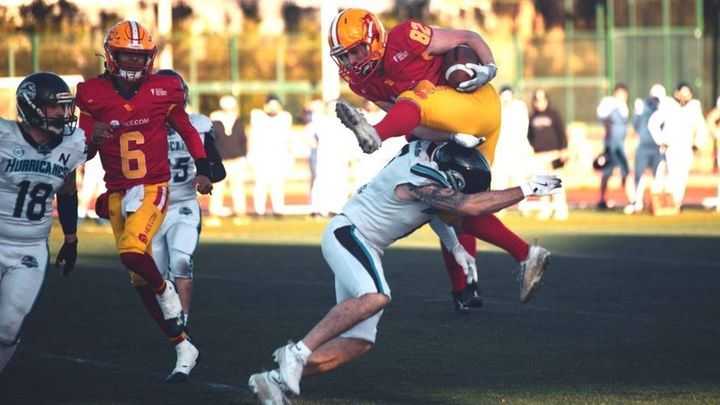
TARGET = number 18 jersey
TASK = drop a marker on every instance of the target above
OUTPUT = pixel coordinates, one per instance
(30, 174)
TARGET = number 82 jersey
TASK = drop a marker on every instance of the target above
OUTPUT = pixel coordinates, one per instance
(30, 174)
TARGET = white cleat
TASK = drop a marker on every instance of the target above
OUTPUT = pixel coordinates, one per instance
(531, 272)
(267, 389)
(187, 357)
(366, 135)
(291, 367)
(169, 302)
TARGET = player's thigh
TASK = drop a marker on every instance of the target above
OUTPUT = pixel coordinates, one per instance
(355, 263)
(142, 225)
(446, 109)
(182, 239)
(23, 268)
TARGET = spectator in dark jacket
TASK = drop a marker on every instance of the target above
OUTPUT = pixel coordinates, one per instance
(547, 136)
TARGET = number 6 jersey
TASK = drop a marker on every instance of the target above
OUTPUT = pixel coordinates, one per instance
(30, 174)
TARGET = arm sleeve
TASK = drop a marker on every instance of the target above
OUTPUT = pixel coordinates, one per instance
(445, 232)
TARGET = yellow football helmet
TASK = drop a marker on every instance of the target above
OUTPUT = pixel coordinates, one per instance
(129, 37)
(357, 43)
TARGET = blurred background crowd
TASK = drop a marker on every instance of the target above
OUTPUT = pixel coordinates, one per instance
(620, 97)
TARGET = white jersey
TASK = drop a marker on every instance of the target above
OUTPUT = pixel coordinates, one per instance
(181, 163)
(29, 177)
(378, 214)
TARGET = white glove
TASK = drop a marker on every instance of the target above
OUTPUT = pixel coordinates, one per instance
(542, 184)
(467, 262)
(483, 74)
(467, 140)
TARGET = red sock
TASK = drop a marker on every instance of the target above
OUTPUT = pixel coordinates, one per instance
(144, 266)
(492, 230)
(458, 279)
(171, 330)
(402, 118)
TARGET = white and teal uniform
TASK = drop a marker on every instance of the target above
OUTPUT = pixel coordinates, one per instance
(30, 175)
(374, 218)
(176, 240)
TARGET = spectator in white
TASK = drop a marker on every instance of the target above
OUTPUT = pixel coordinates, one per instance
(613, 113)
(91, 186)
(269, 154)
(679, 127)
(231, 143)
(713, 123)
(312, 115)
(546, 133)
(513, 152)
(336, 145)
(647, 154)
(368, 165)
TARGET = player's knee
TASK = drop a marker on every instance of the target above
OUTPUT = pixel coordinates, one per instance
(10, 331)
(375, 300)
(181, 265)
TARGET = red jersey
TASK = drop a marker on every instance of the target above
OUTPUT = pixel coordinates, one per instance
(138, 151)
(404, 64)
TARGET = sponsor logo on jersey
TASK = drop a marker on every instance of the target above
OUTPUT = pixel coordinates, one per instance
(398, 57)
(18, 151)
(114, 124)
(36, 166)
(185, 211)
(143, 238)
(136, 122)
(158, 92)
(29, 262)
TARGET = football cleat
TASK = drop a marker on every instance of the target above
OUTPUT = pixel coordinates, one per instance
(471, 295)
(460, 306)
(169, 302)
(268, 390)
(531, 272)
(187, 358)
(291, 367)
(355, 121)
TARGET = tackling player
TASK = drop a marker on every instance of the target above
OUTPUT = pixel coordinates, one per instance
(424, 178)
(175, 242)
(38, 154)
(124, 113)
(401, 72)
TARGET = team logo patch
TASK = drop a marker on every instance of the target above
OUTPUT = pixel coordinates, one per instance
(27, 91)
(185, 211)
(29, 262)
(158, 92)
(18, 152)
(128, 107)
(143, 238)
(400, 56)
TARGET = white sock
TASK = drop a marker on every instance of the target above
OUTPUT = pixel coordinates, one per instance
(186, 318)
(302, 350)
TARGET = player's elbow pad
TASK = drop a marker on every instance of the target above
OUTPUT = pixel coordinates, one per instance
(217, 172)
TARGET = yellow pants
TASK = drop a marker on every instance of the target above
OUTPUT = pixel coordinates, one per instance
(135, 233)
(446, 109)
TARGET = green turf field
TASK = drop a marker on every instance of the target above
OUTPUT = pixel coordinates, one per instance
(628, 313)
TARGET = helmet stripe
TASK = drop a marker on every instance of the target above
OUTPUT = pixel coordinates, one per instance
(334, 29)
(135, 35)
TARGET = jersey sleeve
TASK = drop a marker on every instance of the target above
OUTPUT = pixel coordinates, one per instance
(412, 36)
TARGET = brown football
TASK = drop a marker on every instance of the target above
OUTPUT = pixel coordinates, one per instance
(454, 67)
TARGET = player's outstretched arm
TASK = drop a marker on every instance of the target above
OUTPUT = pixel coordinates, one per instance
(447, 199)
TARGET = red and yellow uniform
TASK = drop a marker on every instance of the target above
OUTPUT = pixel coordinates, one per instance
(137, 152)
(407, 72)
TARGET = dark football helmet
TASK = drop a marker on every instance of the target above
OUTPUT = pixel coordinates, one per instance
(171, 72)
(466, 169)
(39, 91)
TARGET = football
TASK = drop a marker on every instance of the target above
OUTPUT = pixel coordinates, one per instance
(454, 66)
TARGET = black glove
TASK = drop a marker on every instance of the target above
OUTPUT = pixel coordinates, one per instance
(66, 258)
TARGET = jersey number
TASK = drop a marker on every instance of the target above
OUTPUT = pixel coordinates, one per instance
(180, 169)
(419, 32)
(38, 196)
(133, 161)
